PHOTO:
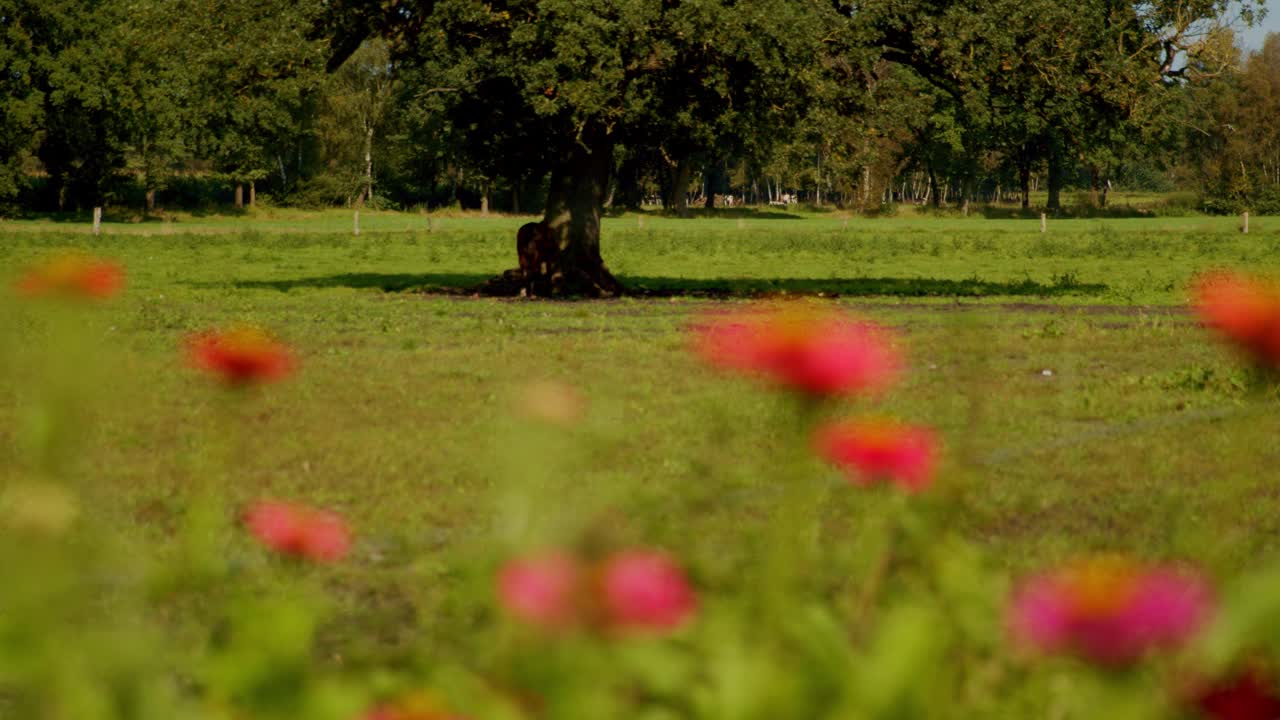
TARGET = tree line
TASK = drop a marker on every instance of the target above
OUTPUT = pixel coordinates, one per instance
(563, 107)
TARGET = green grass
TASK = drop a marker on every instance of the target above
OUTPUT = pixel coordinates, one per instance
(1145, 436)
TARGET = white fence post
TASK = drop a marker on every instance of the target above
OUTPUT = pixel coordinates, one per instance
(356, 227)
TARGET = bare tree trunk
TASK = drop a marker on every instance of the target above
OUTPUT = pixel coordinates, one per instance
(253, 194)
(484, 200)
(933, 187)
(239, 196)
(1024, 182)
(151, 200)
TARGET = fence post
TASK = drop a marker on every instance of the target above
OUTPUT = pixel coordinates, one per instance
(356, 227)
(1044, 223)
(1245, 228)
(97, 221)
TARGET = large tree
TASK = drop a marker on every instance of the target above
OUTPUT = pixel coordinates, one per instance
(578, 79)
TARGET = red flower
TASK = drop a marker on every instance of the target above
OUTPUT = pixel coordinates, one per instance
(872, 450)
(1250, 695)
(299, 531)
(1108, 611)
(240, 356)
(816, 351)
(541, 590)
(73, 275)
(645, 590)
(1243, 309)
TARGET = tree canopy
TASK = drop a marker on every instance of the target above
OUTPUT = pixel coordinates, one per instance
(563, 107)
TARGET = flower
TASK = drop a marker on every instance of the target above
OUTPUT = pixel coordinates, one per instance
(299, 531)
(815, 351)
(631, 591)
(1245, 310)
(645, 590)
(240, 356)
(1108, 611)
(874, 450)
(541, 589)
(1248, 695)
(72, 275)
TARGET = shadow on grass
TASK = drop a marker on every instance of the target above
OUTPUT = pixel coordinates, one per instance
(994, 212)
(644, 286)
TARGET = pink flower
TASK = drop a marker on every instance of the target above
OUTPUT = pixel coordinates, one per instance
(870, 451)
(542, 590)
(645, 590)
(1108, 611)
(1244, 310)
(816, 351)
(299, 531)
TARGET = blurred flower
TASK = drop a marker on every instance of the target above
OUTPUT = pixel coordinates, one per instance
(878, 450)
(645, 590)
(552, 402)
(416, 706)
(39, 507)
(1245, 310)
(635, 590)
(299, 531)
(73, 275)
(1108, 611)
(541, 590)
(816, 351)
(1248, 695)
(240, 356)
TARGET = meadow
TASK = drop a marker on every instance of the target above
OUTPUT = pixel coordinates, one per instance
(1082, 409)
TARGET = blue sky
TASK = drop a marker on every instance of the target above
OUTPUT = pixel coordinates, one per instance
(1252, 37)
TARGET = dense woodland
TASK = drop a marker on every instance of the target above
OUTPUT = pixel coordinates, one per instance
(518, 105)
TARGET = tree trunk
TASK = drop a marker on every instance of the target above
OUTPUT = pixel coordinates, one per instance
(239, 197)
(678, 187)
(151, 200)
(1093, 186)
(253, 194)
(575, 203)
(368, 162)
(515, 198)
(1106, 187)
(1057, 174)
(1024, 183)
(933, 187)
(630, 194)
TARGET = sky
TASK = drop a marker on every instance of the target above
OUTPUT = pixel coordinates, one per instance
(1252, 37)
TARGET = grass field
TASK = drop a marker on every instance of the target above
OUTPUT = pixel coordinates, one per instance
(1082, 408)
